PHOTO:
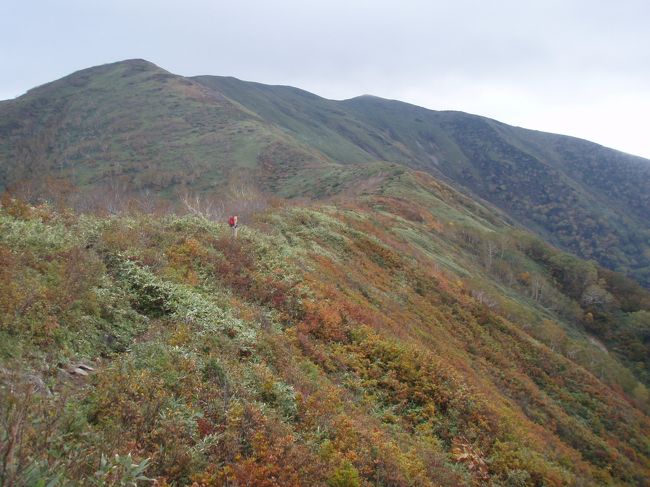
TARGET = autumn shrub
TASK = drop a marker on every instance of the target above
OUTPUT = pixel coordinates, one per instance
(38, 429)
(345, 476)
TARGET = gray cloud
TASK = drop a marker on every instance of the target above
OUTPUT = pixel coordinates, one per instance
(521, 62)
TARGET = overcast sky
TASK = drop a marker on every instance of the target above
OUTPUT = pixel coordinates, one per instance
(577, 67)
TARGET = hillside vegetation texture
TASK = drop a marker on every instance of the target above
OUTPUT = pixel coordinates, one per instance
(134, 127)
(401, 338)
(399, 308)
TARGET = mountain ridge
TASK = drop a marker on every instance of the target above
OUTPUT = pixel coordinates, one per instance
(371, 323)
(439, 152)
(196, 134)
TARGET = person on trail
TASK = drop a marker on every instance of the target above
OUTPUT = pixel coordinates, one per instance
(232, 221)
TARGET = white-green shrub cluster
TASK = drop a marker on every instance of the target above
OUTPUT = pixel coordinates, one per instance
(181, 303)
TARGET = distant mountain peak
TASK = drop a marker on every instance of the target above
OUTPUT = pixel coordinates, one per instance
(138, 62)
(80, 78)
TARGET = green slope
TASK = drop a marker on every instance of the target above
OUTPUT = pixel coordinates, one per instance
(138, 126)
(132, 127)
(396, 332)
(589, 199)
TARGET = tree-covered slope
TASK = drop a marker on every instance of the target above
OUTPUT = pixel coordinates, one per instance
(405, 336)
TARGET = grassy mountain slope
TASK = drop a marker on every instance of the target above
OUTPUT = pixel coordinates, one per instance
(132, 127)
(395, 332)
(406, 336)
(136, 126)
(589, 199)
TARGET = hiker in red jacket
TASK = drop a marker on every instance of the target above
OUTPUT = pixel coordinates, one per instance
(232, 221)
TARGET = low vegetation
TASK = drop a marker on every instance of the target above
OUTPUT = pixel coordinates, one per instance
(405, 337)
